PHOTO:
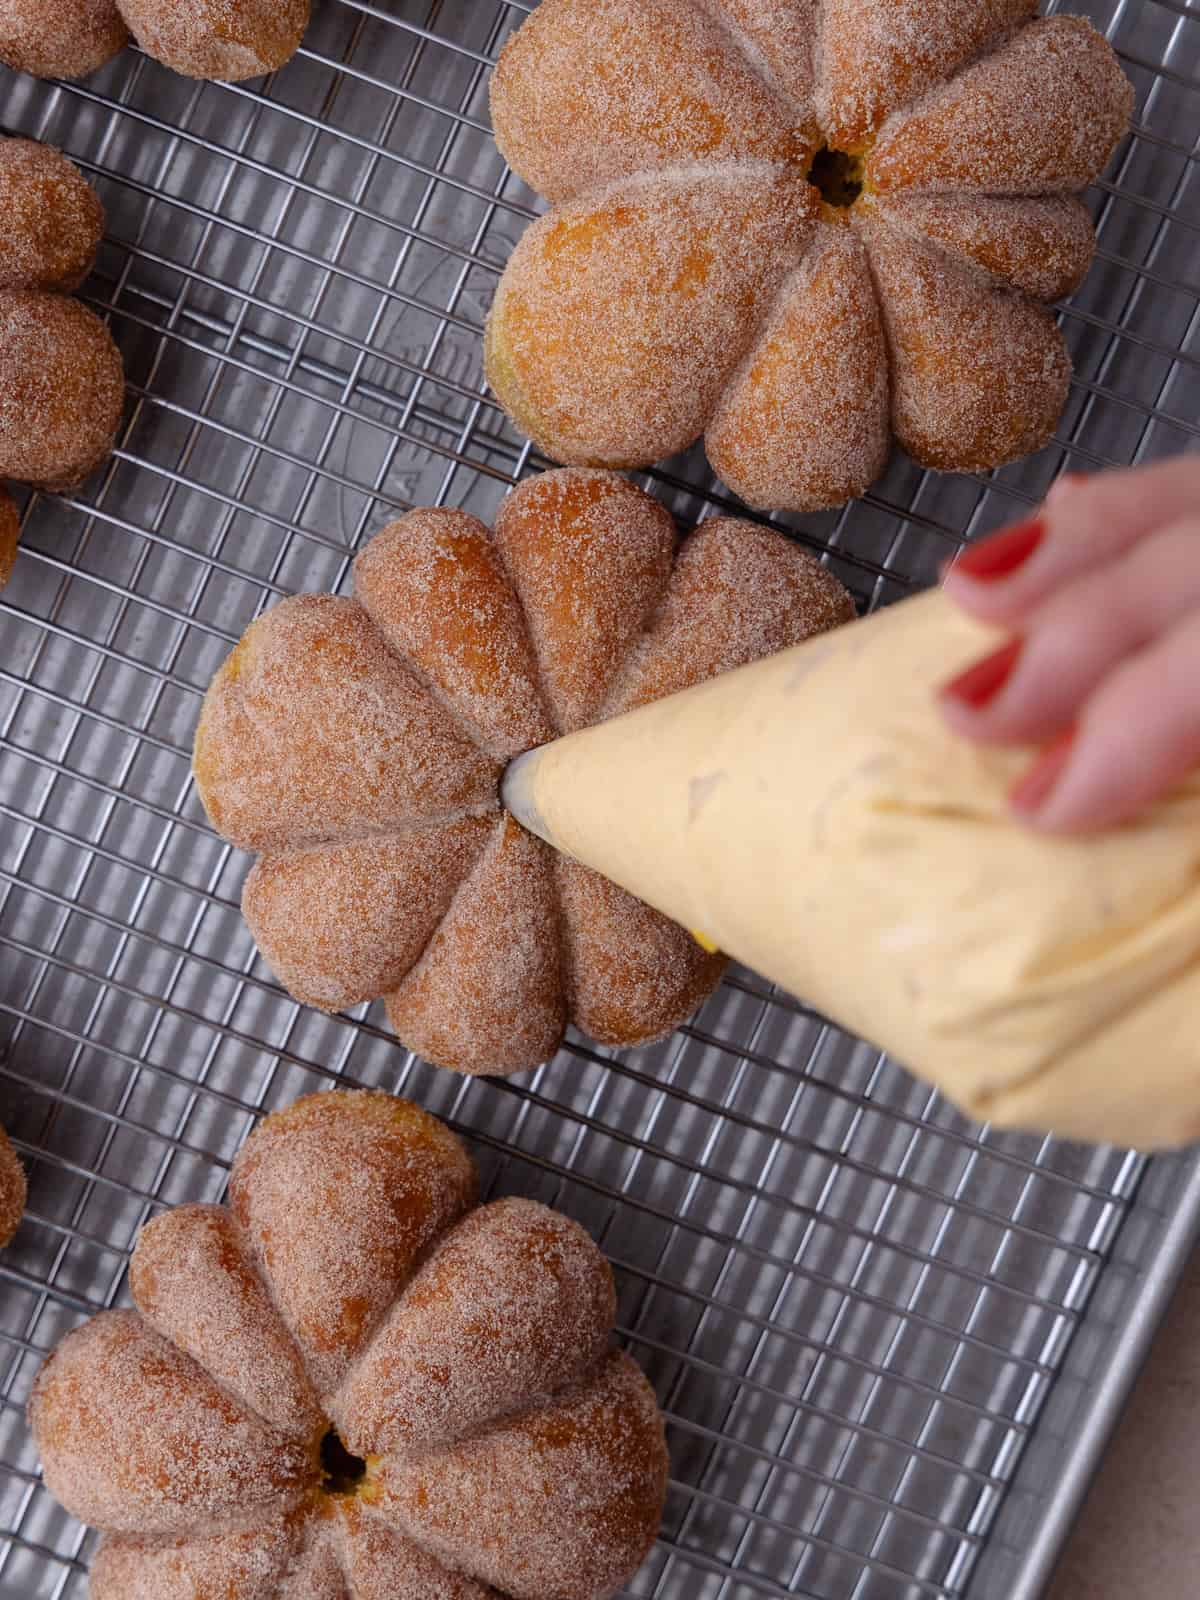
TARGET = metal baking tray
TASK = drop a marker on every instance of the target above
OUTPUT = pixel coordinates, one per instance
(889, 1343)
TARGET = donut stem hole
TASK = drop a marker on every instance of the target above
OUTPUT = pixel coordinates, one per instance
(837, 176)
(342, 1472)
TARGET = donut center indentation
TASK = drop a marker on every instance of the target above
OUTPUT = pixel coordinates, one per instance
(342, 1473)
(838, 177)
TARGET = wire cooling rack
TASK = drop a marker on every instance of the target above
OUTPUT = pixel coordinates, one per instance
(889, 1343)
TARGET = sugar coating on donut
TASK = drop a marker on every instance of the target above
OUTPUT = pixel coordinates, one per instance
(779, 39)
(435, 587)
(339, 1199)
(381, 1564)
(804, 423)
(662, 90)
(10, 533)
(228, 40)
(879, 55)
(62, 389)
(948, 412)
(515, 1302)
(344, 923)
(737, 594)
(52, 219)
(1042, 114)
(193, 1279)
(318, 1573)
(486, 1371)
(319, 1552)
(60, 38)
(621, 317)
(12, 1190)
(315, 730)
(247, 1565)
(590, 349)
(632, 975)
(380, 882)
(588, 555)
(135, 1437)
(486, 995)
(1044, 247)
(551, 1503)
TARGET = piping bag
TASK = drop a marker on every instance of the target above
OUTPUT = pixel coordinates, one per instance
(814, 817)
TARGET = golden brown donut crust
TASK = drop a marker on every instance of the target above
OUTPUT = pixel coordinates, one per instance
(60, 38)
(338, 1198)
(567, 133)
(135, 1437)
(52, 218)
(10, 533)
(478, 1352)
(487, 994)
(664, 296)
(1044, 247)
(62, 384)
(462, 1351)
(193, 1279)
(391, 896)
(62, 389)
(946, 411)
(985, 132)
(228, 40)
(880, 55)
(622, 316)
(377, 753)
(495, 1505)
(589, 557)
(805, 423)
(12, 1190)
(359, 745)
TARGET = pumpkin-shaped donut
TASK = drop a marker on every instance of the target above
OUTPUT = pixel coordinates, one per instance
(801, 228)
(224, 39)
(355, 1383)
(62, 383)
(358, 745)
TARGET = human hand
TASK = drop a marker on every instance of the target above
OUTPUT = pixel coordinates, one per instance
(1101, 594)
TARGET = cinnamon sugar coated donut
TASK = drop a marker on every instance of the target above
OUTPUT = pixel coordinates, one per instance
(12, 1190)
(359, 745)
(52, 219)
(224, 39)
(356, 1381)
(62, 388)
(60, 38)
(10, 531)
(734, 183)
(62, 384)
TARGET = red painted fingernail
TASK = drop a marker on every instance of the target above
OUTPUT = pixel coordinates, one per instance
(1002, 554)
(1030, 794)
(980, 684)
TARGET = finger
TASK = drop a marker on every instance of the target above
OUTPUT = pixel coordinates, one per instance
(1139, 738)
(1084, 523)
(1076, 638)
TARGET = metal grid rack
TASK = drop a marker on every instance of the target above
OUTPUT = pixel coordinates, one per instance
(888, 1342)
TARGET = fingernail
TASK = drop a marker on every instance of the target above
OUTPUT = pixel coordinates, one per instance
(980, 684)
(1031, 793)
(1002, 554)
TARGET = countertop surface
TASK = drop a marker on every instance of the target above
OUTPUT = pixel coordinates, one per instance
(1138, 1537)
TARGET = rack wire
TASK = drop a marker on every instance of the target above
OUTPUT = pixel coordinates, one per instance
(874, 1327)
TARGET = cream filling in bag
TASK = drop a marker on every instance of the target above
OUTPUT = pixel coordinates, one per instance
(813, 816)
